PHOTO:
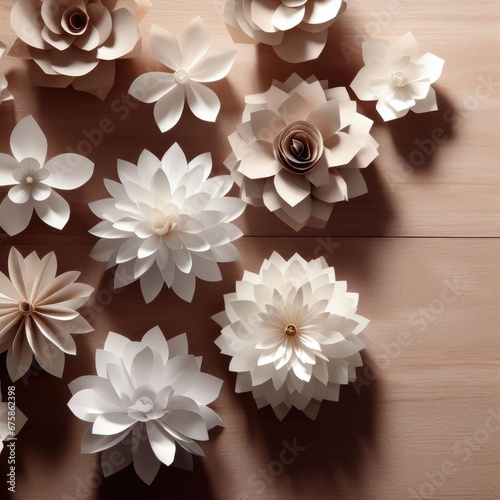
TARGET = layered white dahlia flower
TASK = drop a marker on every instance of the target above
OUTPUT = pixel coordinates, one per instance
(293, 334)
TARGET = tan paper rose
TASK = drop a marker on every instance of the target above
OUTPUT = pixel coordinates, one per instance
(76, 42)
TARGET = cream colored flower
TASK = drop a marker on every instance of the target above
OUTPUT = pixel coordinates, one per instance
(76, 42)
(296, 29)
(293, 334)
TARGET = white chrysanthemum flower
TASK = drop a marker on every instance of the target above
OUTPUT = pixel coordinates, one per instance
(76, 42)
(193, 64)
(299, 149)
(167, 223)
(38, 313)
(5, 95)
(398, 76)
(293, 334)
(33, 181)
(12, 419)
(296, 29)
(148, 401)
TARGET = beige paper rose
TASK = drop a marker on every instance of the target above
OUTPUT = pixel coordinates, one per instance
(76, 42)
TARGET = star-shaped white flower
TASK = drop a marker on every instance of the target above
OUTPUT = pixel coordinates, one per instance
(148, 402)
(398, 76)
(193, 64)
(33, 181)
(38, 313)
(293, 334)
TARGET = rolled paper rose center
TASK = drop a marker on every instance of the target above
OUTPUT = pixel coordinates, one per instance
(291, 330)
(25, 307)
(298, 147)
(398, 79)
(75, 21)
(164, 225)
(182, 76)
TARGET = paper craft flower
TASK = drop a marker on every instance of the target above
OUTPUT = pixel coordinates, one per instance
(292, 333)
(33, 181)
(193, 64)
(12, 419)
(76, 42)
(299, 150)
(398, 76)
(296, 29)
(5, 95)
(38, 313)
(167, 223)
(148, 402)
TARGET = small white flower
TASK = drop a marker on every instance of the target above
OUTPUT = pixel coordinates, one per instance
(5, 95)
(167, 223)
(193, 64)
(33, 181)
(293, 334)
(10, 427)
(398, 76)
(38, 313)
(148, 401)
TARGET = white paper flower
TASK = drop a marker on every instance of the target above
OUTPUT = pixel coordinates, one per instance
(299, 150)
(148, 402)
(33, 181)
(193, 64)
(167, 223)
(38, 313)
(12, 419)
(5, 95)
(292, 333)
(398, 76)
(296, 29)
(76, 42)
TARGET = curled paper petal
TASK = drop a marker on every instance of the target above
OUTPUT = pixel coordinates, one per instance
(152, 391)
(189, 56)
(167, 223)
(38, 313)
(398, 76)
(293, 334)
(33, 180)
(292, 148)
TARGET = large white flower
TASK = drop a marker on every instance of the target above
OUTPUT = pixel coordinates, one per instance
(296, 29)
(167, 223)
(12, 419)
(148, 402)
(5, 95)
(293, 334)
(33, 181)
(299, 149)
(38, 313)
(398, 76)
(76, 42)
(193, 64)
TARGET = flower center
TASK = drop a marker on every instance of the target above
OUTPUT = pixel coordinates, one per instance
(143, 405)
(30, 179)
(164, 225)
(182, 76)
(398, 79)
(75, 21)
(25, 307)
(291, 330)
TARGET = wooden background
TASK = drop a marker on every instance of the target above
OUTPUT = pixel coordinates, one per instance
(423, 420)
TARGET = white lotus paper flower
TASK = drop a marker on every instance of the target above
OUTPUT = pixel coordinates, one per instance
(398, 76)
(167, 223)
(12, 419)
(148, 401)
(5, 95)
(193, 64)
(299, 150)
(33, 181)
(296, 29)
(292, 333)
(76, 42)
(38, 313)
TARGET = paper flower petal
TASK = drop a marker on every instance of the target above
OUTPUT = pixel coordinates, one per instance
(12, 419)
(157, 402)
(168, 109)
(68, 171)
(203, 102)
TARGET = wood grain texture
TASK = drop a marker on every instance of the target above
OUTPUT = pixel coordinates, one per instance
(421, 249)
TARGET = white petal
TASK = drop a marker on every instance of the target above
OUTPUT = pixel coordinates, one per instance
(165, 47)
(15, 218)
(202, 101)
(213, 66)
(193, 43)
(150, 87)
(28, 141)
(123, 38)
(54, 211)
(68, 171)
(168, 109)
